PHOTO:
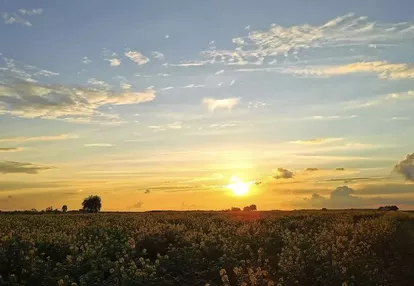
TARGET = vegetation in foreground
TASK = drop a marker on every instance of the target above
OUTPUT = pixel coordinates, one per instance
(208, 248)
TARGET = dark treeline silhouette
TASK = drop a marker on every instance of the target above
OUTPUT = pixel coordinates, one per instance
(388, 208)
(245, 209)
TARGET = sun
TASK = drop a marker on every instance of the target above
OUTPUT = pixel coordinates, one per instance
(238, 187)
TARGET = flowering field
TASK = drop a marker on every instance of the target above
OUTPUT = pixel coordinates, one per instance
(208, 248)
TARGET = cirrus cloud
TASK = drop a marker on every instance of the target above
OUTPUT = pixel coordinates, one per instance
(9, 167)
(75, 104)
(228, 103)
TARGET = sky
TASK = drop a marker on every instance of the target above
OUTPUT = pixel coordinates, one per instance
(158, 104)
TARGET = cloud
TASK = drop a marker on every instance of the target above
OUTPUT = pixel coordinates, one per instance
(383, 69)
(400, 118)
(111, 57)
(174, 125)
(311, 169)
(354, 179)
(86, 61)
(11, 149)
(137, 57)
(189, 64)
(346, 197)
(98, 145)
(282, 173)
(192, 86)
(147, 191)
(28, 73)
(330, 117)
(228, 103)
(157, 55)
(38, 138)
(68, 103)
(167, 88)
(260, 46)
(125, 85)
(14, 18)
(99, 83)
(137, 205)
(8, 167)
(114, 62)
(37, 11)
(343, 191)
(406, 167)
(219, 72)
(402, 95)
(317, 141)
(340, 169)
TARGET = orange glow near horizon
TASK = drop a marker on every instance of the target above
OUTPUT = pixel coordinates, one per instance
(238, 187)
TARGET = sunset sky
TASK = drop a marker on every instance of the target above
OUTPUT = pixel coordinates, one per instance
(157, 104)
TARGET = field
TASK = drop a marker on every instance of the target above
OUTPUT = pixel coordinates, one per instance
(208, 248)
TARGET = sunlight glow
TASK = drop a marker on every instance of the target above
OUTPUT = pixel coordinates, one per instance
(238, 187)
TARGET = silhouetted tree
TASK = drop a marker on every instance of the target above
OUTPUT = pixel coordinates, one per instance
(49, 209)
(234, 209)
(388, 208)
(92, 204)
(250, 208)
(64, 208)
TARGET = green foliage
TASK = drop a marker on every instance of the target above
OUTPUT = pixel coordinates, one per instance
(200, 248)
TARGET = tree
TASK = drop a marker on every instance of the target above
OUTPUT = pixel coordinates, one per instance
(388, 208)
(92, 204)
(64, 208)
(250, 208)
(235, 209)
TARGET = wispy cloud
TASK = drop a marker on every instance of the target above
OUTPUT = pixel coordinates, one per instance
(17, 17)
(75, 104)
(402, 95)
(99, 83)
(174, 125)
(114, 62)
(349, 30)
(228, 103)
(38, 138)
(23, 72)
(137, 205)
(400, 118)
(330, 117)
(167, 88)
(111, 57)
(10, 150)
(125, 85)
(189, 64)
(192, 86)
(31, 12)
(86, 60)
(383, 69)
(219, 72)
(317, 141)
(9, 167)
(137, 57)
(157, 55)
(98, 145)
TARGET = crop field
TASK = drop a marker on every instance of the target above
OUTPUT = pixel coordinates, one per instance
(208, 248)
